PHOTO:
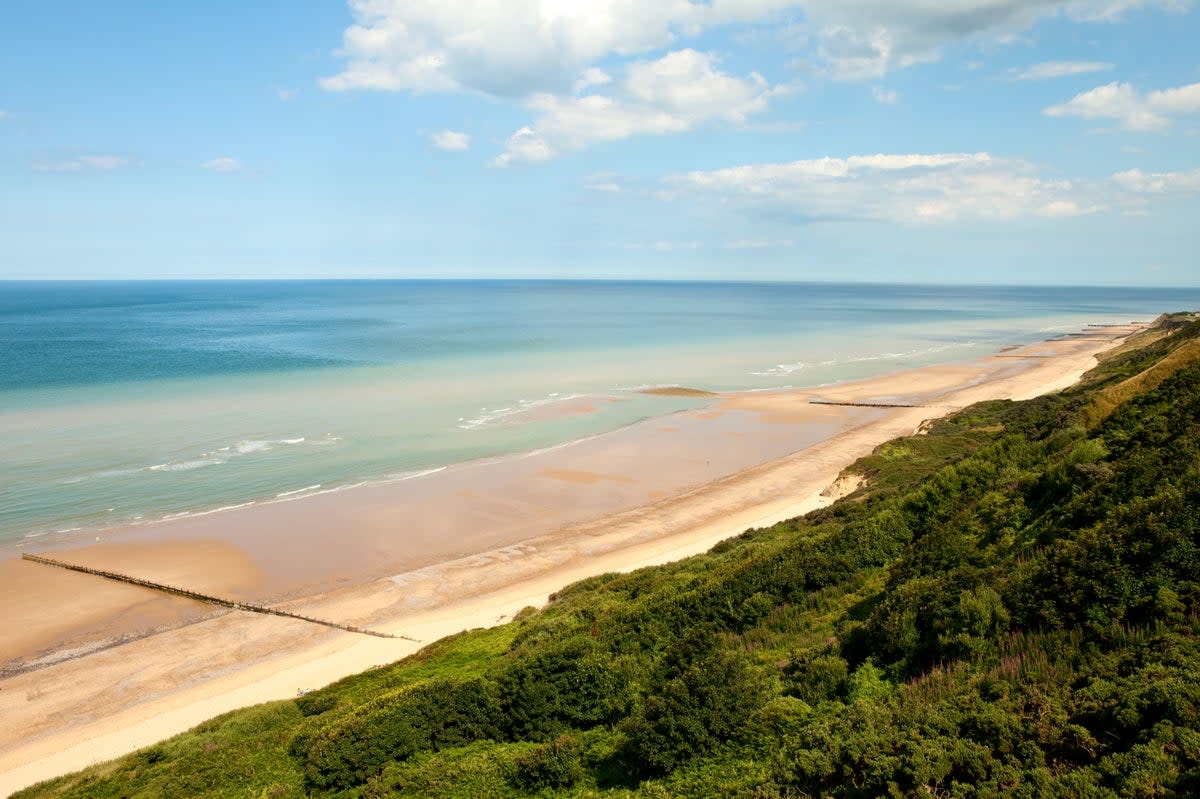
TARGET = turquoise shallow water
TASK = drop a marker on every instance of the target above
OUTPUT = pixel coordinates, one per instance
(128, 402)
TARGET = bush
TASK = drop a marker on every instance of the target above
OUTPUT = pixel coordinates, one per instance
(433, 715)
(553, 765)
(709, 693)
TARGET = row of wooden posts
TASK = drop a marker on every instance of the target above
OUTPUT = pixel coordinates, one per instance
(210, 599)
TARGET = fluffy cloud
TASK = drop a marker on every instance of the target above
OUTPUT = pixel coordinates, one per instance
(548, 54)
(1061, 69)
(672, 94)
(85, 163)
(223, 165)
(516, 48)
(922, 189)
(918, 188)
(1139, 182)
(592, 77)
(885, 96)
(500, 47)
(861, 39)
(1133, 110)
(450, 140)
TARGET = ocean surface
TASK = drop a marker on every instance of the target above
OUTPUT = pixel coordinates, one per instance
(132, 402)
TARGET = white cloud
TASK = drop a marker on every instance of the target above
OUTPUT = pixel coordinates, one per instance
(673, 246)
(687, 84)
(910, 189)
(863, 39)
(517, 48)
(450, 140)
(672, 94)
(1139, 182)
(223, 165)
(885, 96)
(1134, 111)
(592, 77)
(500, 47)
(84, 163)
(524, 145)
(1060, 69)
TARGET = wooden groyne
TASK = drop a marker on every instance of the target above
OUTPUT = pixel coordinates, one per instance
(212, 600)
(864, 404)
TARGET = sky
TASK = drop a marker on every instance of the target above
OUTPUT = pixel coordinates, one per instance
(961, 141)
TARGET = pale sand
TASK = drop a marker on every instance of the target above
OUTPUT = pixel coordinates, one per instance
(66, 716)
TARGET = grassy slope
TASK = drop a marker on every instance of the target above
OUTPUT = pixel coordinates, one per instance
(1009, 607)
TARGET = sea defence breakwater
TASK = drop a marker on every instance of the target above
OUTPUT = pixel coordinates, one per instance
(201, 597)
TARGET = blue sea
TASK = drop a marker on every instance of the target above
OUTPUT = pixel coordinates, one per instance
(130, 402)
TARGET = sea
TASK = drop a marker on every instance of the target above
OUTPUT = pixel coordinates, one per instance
(125, 403)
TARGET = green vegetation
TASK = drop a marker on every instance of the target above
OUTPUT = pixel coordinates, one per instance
(1010, 606)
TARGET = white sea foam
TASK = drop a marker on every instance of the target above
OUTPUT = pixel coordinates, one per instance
(184, 466)
(413, 475)
(783, 369)
(489, 416)
(297, 491)
(215, 457)
(188, 514)
(552, 448)
(253, 445)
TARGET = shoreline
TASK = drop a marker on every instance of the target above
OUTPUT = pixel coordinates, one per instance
(43, 538)
(65, 716)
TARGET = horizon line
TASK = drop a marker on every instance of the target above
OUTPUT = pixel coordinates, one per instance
(648, 280)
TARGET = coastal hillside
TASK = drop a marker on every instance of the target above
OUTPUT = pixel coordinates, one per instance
(1009, 605)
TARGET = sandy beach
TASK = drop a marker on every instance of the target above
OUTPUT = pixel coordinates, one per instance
(93, 669)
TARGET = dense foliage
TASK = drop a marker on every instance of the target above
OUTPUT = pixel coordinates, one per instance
(1009, 607)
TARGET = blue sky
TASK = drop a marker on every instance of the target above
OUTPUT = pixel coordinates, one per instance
(992, 141)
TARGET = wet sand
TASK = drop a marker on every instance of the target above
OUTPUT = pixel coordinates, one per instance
(465, 547)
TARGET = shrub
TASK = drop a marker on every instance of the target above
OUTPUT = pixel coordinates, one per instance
(552, 765)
